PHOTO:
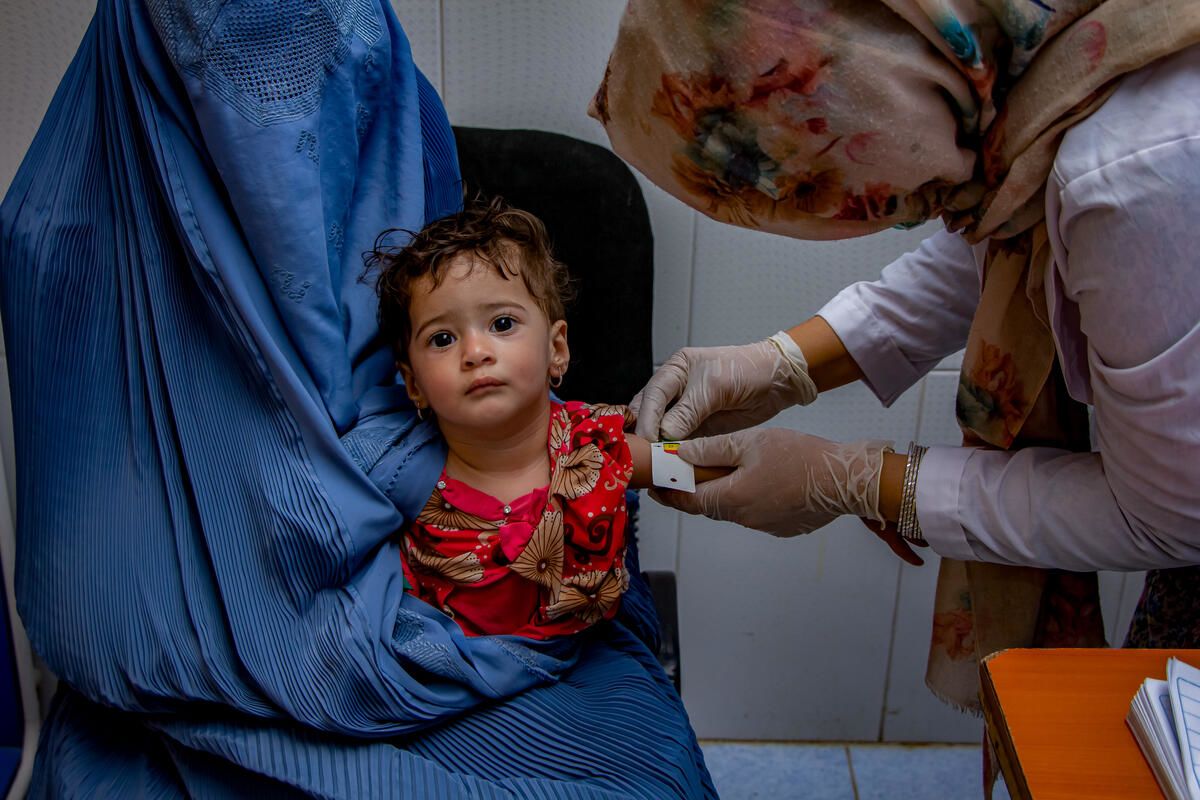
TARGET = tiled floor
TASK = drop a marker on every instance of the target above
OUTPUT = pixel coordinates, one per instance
(746, 771)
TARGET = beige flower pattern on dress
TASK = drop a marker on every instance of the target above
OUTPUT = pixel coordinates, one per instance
(588, 595)
(576, 472)
(606, 410)
(560, 432)
(542, 559)
(441, 514)
(463, 568)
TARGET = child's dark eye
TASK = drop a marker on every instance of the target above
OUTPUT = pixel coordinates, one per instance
(503, 324)
(441, 339)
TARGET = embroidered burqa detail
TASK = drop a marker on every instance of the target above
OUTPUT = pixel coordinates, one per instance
(214, 457)
(827, 119)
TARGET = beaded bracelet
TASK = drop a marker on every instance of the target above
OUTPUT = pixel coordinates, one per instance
(908, 525)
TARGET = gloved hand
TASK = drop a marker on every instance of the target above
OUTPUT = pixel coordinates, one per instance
(785, 482)
(722, 389)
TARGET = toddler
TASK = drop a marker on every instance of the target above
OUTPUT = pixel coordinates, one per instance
(525, 531)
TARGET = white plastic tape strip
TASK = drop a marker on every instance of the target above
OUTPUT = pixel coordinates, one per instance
(668, 470)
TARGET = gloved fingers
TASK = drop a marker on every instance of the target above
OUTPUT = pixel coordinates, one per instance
(680, 501)
(706, 500)
(714, 451)
(663, 387)
(683, 418)
(726, 422)
(635, 404)
(890, 535)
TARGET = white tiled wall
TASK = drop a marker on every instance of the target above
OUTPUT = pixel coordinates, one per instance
(37, 40)
(817, 638)
(537, 65)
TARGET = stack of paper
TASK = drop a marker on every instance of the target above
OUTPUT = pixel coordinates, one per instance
(1165, 720)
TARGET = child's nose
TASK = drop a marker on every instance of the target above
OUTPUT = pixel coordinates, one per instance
(477, 350)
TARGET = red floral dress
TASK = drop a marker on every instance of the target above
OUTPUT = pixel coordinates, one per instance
(551, 562)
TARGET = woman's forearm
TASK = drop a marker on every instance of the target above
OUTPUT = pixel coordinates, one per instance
(891, 484)
(829, 364)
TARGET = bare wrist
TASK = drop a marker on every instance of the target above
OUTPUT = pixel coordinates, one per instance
(829, 363)
(891, 485)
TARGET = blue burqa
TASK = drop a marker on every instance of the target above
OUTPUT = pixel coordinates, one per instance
(213, 453)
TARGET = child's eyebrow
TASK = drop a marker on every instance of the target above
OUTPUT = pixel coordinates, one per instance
(430, 322)
(499, 304)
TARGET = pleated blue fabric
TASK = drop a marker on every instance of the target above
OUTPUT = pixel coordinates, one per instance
(213, 452)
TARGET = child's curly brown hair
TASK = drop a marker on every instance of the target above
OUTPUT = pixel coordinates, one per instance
(512, 241)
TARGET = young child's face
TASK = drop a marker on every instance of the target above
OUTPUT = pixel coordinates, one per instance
(481, 348)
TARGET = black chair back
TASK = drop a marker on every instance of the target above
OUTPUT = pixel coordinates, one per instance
(593, 208)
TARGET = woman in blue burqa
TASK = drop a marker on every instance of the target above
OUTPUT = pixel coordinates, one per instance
(213, 451)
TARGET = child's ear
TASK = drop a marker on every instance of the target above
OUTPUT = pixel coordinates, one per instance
(560, 353)
(410, 385)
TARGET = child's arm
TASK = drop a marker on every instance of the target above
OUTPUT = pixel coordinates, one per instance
(639, 448)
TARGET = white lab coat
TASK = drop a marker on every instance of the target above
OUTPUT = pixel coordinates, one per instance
(1123, 215)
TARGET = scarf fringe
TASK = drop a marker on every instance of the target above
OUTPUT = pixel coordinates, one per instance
(957, 705)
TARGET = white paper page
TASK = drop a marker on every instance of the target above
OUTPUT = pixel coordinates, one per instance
(1158, 703)
(1184, 681)
(1161, 697)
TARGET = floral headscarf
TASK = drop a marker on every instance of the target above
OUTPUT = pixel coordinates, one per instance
(827, 119)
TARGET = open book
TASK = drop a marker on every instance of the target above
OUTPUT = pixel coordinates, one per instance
(1165, 720)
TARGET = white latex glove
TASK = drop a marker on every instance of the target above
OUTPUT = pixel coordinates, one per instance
(722, 389)
(784, 482)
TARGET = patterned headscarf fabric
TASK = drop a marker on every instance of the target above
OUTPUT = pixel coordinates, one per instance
(827, 119)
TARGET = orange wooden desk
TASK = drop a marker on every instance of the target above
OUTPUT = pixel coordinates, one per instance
(1057, 720)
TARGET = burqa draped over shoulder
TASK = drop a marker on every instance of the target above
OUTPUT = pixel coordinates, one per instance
(214, 454)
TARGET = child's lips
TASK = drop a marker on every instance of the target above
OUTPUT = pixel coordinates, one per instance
(480, 384)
